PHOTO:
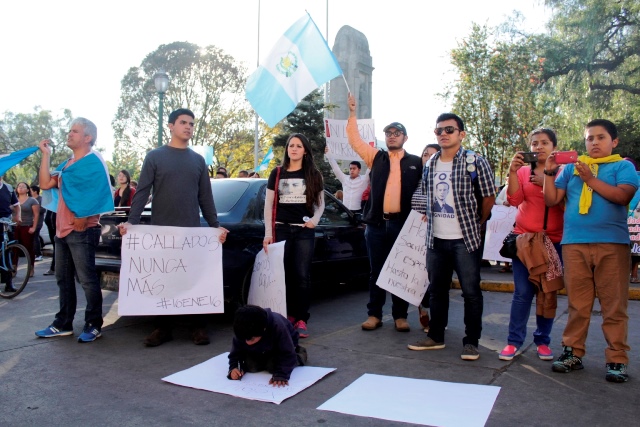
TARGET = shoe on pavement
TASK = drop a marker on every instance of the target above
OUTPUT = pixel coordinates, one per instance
(423, 314)
(426, 344)
(9, 288)
(89, 333)
(617, 373)
(470, 352)
(38, 258)
(200, 337)
(544, 352)
(51, 331)
(157, 337)
(371, 323)
(49, 272)
(508, 353)
(567, 362)
(301, 327)
(402, 325)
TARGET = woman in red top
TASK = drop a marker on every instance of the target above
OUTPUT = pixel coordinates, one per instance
(525, 192)
(124, 194)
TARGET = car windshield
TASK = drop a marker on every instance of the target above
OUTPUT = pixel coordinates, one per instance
(227, 192)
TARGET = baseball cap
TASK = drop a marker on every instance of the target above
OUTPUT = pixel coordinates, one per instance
(396, 125)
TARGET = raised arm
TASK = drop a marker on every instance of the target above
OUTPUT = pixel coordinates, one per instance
(46, 181)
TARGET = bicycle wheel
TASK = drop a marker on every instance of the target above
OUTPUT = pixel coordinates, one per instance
(19, 264)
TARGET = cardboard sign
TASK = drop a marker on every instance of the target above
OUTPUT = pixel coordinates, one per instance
(170, 270)
(268, 288)
(634, 234)
(500, 224)
(336, 135)
(404, 273)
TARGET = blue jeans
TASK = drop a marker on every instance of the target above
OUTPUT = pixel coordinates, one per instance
(76, 253)
(298, 254)
(445, 257)
(523, 296)
(380, 239)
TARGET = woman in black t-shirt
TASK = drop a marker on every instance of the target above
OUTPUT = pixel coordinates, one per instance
(290, 216)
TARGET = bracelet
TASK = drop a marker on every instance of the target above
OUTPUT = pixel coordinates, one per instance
(550, 173)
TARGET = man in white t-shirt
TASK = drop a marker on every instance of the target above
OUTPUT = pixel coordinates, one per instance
(353, 185)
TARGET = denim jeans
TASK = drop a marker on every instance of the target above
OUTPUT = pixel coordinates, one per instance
(298, 253)
(380, 239)
(523, 296)
(445, 257)
(76, 253)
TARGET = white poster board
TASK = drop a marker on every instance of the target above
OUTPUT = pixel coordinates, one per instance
(409, 400)
(500, 224)
(268, 289)
(170, 270)
(404, 273)
(212, 376)
(336, 136)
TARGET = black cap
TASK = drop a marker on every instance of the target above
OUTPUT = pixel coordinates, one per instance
(396, 125)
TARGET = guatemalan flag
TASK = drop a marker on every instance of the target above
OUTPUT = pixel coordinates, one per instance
(267, 159)
(7, 161)
(300, 62)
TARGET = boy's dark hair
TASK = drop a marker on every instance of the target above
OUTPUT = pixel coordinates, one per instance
(179, 112)
(608, 125)
(449, 116)
(356, 163)
(250, 322)
(35, 188)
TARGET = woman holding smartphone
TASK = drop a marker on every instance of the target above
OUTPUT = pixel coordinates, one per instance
(525, 193)
(292, 209)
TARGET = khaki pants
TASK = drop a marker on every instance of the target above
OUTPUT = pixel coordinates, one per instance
(601, 268)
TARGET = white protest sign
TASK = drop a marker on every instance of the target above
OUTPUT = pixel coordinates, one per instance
(404, 273)
(268, 288)
(336, 135)
(170, 270)
(500, 224)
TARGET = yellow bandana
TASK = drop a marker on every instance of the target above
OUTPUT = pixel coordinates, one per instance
(587, 193)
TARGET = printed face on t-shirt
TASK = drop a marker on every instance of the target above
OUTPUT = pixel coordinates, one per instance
(292, 190)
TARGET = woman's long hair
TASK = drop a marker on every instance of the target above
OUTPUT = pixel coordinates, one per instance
(312, 176)
(127, 191)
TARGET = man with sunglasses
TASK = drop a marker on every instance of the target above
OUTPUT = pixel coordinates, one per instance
(454, 239)
(394, 177)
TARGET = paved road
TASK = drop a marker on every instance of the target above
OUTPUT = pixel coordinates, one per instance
(116, 381)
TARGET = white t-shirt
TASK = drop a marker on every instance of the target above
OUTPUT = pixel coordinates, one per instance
(445, 221)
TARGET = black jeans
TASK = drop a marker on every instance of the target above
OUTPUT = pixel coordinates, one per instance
(50, 222)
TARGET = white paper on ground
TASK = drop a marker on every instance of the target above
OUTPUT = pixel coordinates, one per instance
(426, 402)
(212, 376)
(268, 289)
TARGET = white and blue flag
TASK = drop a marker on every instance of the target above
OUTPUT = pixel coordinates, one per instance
(267, 159)
(7, 161)
(300, 62)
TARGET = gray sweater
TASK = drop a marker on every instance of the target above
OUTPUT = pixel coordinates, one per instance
(179, 181)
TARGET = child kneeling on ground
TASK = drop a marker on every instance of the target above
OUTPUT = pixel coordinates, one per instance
(264, 341)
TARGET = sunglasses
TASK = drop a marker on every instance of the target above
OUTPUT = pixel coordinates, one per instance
(448, 129)
(396, 133)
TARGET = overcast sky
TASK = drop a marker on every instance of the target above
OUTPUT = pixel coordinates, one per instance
(72, 54)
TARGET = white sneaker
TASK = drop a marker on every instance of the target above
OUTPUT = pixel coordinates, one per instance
(38, 258)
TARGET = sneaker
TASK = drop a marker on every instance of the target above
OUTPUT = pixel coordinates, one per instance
(423, 314)
(89, 333)
(157, 337)
(301, 327)
(617, 373)
(200, 337)
(508, 353)
(428, 344)
(49, 273)
(567, 362)
(544, 352)
(38, 258)
(8, 288)
(470, 352)
(52, 331)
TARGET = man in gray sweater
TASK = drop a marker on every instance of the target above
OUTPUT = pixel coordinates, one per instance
(179, 181)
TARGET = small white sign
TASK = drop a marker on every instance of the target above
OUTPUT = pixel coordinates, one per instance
(501, 223)
(336, 136)
(268, 288)
(404, 273)
(170, 270)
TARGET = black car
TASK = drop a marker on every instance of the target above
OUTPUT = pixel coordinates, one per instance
(340, 253)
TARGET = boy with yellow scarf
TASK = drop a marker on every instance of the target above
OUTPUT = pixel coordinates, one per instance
(595, 245)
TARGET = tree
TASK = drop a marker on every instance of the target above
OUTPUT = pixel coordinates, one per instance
(308, 119)
(19, 130)
(205, 80)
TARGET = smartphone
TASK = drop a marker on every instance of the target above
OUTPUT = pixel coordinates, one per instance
(566, 157)
(530, 157)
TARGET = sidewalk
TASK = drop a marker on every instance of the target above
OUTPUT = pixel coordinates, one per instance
(495, 281)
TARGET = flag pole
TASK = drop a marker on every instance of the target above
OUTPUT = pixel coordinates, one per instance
(346, 84)
(255, 135)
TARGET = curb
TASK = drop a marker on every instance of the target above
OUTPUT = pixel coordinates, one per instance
(507, 286)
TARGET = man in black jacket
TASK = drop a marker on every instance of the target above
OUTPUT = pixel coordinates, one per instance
(394, 176)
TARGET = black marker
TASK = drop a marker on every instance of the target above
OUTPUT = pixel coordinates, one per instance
(239, 372)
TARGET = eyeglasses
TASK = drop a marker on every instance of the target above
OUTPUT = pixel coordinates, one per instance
(448, 129)
(396, 133)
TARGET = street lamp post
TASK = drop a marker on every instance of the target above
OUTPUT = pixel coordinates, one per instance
(161, 80)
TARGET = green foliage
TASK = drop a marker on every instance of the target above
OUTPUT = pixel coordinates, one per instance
(204, 80)
(307, 119)
(18, 131)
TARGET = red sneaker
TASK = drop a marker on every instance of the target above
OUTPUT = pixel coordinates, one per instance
(301, 327)
(544, 352)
